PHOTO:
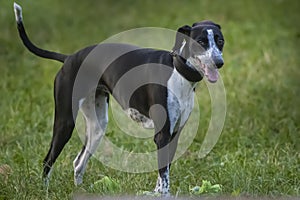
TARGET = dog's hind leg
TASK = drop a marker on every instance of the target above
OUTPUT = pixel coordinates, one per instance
(62, 132)
(63, 123)
(95, 112)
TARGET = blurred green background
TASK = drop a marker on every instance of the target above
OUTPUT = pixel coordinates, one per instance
(258, 152)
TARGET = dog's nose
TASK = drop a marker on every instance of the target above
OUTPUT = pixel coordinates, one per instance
(218, 59)
(219, 63)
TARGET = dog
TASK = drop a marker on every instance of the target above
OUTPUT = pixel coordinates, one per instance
(197, 53)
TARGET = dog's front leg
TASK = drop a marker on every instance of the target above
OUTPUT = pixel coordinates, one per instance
(166, 147)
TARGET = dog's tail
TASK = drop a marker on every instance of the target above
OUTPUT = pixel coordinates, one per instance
(30, 46)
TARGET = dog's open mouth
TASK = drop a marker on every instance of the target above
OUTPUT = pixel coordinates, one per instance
(209, 69)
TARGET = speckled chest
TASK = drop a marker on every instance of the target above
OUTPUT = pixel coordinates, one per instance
(180, 100)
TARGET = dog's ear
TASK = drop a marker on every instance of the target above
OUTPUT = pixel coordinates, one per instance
(207, 23)
(183, 34)
(186, 30)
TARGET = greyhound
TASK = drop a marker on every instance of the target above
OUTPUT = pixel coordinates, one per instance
(171, 78)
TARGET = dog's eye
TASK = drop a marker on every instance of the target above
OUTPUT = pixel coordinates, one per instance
(202, 42)
(220, 42)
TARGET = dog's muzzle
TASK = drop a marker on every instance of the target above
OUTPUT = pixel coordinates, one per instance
(218, 59)
(216, 56)
(209, 64)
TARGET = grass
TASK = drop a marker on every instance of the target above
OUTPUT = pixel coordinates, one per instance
(258, 151)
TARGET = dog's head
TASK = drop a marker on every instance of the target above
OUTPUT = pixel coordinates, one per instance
(201, 45)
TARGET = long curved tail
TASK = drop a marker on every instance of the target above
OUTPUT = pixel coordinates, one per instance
(30, 46)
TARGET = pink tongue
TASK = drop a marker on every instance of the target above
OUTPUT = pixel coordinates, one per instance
(212, 74)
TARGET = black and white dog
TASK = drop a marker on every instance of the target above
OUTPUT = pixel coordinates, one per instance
(197, 53)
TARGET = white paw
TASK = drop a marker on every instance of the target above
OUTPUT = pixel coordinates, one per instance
(78, 179)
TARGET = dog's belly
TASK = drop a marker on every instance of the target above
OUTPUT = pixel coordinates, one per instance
(141, 119)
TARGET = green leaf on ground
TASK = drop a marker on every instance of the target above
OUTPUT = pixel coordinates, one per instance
(206, 188)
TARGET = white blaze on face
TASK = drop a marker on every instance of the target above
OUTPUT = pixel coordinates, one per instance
(211, 40)
(213, 49)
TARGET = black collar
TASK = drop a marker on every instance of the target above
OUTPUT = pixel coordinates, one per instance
(189, 73)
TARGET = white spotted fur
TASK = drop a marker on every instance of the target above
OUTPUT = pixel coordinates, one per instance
(141, 119)
(180, 100)
(163, 184)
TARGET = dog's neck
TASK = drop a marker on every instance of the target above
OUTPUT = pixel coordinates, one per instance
(186, 69)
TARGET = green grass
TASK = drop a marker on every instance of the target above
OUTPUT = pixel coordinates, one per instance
(258, 151)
